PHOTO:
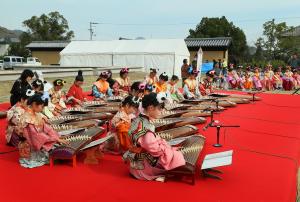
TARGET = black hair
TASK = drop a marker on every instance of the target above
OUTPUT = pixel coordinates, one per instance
(149, 87)
(38, 84)
(38, 99)
(24, 95)
(151, 100)
(131, 101)
(164, 76)
(135, 86)
(25, 74)
(152, 70)
(174, 78)
(184, 61)
(79, 76)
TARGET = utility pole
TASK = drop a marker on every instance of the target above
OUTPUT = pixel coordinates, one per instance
(92, 30)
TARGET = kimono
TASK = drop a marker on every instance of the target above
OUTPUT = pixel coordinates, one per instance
(120, 125)
(234, 80)
(277, 81)
(57, 100)
(191, 89)
(150, 80)
(256, 81)
(268, 80)
(40, 139)
(14, 130)
(247, 82)
(75, 92)
(173, 93)
(124, 84)
(150, 156)
(101, 88)
(296, 77)
(288, 81)
(17, 90)
(206, 87)
(161, 88)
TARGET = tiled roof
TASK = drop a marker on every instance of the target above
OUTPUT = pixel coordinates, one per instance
(48, 44)
(208, 42)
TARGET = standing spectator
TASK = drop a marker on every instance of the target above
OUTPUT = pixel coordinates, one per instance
(184, 71)
(21, 85)
(294, 62)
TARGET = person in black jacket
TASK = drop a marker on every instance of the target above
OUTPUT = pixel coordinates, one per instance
(21, 85)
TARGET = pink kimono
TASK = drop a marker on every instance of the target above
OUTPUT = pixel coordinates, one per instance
(150, 156)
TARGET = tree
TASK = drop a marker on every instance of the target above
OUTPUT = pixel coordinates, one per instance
(220, 27)
(276, 43)
(51, 27)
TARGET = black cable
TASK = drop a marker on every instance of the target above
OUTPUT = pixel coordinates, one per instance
(7, 152)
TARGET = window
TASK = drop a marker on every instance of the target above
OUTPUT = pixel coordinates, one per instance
(30, 59)
(6, 59)
(13, 59)
(19, 60)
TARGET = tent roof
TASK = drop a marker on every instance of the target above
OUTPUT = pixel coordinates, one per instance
(157, 46)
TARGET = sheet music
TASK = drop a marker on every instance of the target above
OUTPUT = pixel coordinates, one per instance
(217, 159)
(96, 142)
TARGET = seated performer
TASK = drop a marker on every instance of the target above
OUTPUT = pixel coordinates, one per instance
(247, 80)
(173, 93)
(206, 87)
(296, 76)
(150, 156)
(14, 130)
(40, 137)
(161, 86)
(151, 78)
(20, 85)
(268, 79)
(120, 125)
(57, 99)
(101, 87)
(124, 80)
(135, 89)
(191, 88)
(233, 79)
(256, 79)
(277, 80)
(75, 94)
(288, 80)
(113, 84)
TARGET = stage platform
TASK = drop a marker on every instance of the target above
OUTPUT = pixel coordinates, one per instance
(265, 164)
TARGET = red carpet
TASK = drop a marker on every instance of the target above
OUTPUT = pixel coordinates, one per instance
(265, 162)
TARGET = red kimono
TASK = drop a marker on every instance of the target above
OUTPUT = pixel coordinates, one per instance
(75, 92)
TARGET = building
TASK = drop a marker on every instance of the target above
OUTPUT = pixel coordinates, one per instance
(213, 48)
(47, 51)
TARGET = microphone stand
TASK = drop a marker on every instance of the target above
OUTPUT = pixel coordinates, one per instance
(218, 132)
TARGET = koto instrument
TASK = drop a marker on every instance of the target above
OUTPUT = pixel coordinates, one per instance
(223, 103)
(108, 109)
(76, 110)
(190, 148)
(93, 104)
(178, 132)
(176, 106)
(76, 142)
(168, 123)
(198, 100)
(182, 121)
(250, 97)
(115, 99)
(63, 119)
(236, 100)
(92, 115)
(206, 107)
(164, 124)
(171, 114)
(3, 114)
(75, 125)
(195, 113)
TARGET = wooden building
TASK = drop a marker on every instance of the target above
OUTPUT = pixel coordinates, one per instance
(47, 51)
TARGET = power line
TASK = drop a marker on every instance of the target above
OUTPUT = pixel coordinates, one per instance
(191, 23)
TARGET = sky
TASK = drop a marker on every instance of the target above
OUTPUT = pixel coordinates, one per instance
(151, 18)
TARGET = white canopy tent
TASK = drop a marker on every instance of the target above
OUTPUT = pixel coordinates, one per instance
(164, 54)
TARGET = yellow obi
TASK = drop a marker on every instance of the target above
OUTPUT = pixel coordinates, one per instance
(191, 84)
(161, 87)
(102, 86)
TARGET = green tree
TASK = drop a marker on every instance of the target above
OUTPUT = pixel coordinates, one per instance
(220, 27)
(276, 43)
(51, 27)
